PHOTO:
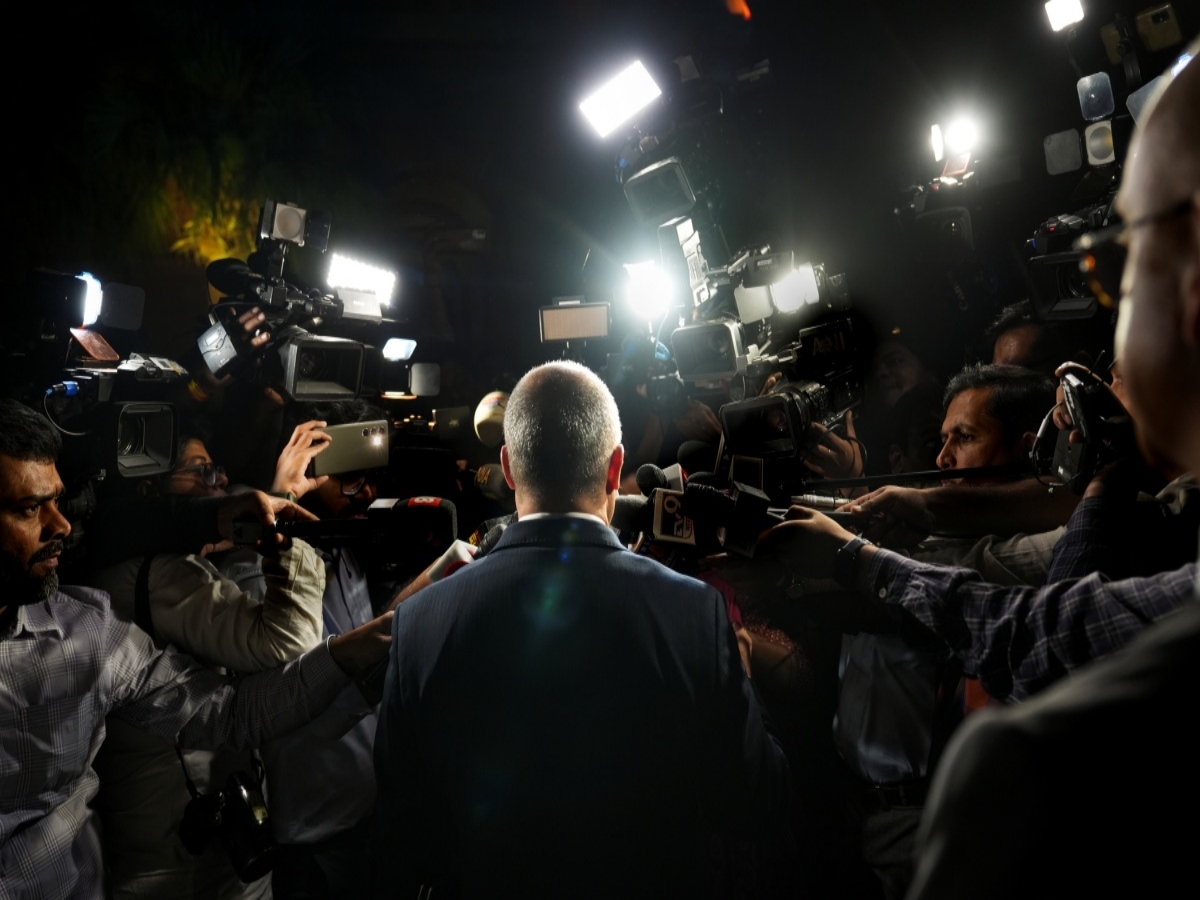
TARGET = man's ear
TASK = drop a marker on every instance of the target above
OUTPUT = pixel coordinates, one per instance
(895, 455)
(612, 481)
(506, 467)
(1028, 439)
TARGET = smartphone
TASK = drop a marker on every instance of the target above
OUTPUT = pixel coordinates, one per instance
(352, 447)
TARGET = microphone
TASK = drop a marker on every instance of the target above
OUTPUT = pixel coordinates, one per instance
(233, 277)
(650, 477)
(744, 514)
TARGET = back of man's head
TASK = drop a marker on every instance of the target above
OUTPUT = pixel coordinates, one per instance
(26, 435)
(1019, 398)
(560, 430)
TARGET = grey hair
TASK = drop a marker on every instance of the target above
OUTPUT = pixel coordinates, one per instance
(561, 426)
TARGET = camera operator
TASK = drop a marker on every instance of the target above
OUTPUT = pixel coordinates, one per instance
(188, 601)
(66, 661)
(322, 776)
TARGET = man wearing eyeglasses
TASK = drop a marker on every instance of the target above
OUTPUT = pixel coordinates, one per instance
(227, 607)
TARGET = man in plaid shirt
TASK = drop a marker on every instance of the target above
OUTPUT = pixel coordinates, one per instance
(66, 661)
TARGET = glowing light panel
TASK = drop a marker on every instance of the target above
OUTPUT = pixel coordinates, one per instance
(649, 291)
(93, 300)
(797, 289)
(398, 349)
(620, 99)
(358, 276)
(939, 143)
(1063, 13)
(961, 136)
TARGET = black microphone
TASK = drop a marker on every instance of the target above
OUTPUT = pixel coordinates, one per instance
(649, 478)
(233, 277)
(696, 457)
(744, 514)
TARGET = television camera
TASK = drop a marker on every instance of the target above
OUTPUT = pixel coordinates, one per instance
(305, 365)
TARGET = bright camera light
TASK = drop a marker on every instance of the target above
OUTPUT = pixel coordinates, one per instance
(939, 143)
(961, 136)
(93, 300)
(357, 276)
(1063, 13)
(398, 349)
(620, 99)
(796, 289)
(649, 290)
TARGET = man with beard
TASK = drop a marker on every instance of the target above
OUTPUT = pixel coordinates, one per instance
(66, 661)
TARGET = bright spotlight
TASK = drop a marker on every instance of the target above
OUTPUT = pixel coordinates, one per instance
(939, 143)
(649, 290)
(1063, 13)
(961, 136)
(398, 349)
(796, 289)
(93, 300)
(357, 276)
(620, 99)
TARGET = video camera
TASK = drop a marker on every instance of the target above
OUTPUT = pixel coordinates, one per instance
(307, 366)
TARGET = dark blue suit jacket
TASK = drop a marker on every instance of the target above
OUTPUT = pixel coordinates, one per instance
(566, 718)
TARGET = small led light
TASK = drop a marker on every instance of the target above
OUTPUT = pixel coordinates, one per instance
(1063, 13)
(398, 349)
(620, 99)
(94, 299)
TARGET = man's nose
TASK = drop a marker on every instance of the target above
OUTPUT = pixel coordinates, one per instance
(945, 458)
(55, 526)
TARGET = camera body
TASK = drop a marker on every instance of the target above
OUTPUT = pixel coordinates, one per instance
(237, 817)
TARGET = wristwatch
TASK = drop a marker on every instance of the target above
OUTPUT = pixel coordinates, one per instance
(844, 560)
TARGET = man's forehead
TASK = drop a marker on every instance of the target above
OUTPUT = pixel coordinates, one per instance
(21, 478)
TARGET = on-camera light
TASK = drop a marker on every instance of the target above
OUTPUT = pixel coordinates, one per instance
(961, 136)
(620, 99)
(345, 272)
(795, 290)
(1063, 13)
(1098, 139)
(93, 300)
(939, 143)
(399, 349)
(649, 290)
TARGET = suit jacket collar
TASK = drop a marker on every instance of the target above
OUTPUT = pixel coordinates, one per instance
(555, 531)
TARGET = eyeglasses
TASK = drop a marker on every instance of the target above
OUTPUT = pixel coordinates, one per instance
(1105, 252)
(208, 473)
(352, 482)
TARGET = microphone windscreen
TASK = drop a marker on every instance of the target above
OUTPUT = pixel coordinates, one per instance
(232, 277)
(490, 481)
(489, 418)
(696, 456)
(650, 477)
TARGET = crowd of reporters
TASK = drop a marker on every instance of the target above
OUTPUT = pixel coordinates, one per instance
(868, 637)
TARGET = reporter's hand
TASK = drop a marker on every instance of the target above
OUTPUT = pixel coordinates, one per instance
(806, 543)
(894, 516)
(359, 651)
(291, 470)
(258, 507)
(832, 456)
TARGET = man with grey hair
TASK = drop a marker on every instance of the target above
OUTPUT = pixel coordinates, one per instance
(564, 717)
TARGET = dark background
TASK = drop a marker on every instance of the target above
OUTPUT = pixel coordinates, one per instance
(136, 128)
